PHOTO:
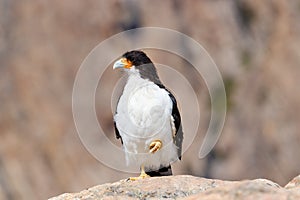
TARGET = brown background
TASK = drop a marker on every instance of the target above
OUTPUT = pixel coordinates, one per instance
(256, 45)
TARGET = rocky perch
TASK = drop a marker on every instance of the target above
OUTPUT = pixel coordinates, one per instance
(189, 187)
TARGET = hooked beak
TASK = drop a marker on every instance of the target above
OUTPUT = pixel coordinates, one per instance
(122, 63)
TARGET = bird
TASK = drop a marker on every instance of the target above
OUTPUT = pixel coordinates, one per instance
(147, 119)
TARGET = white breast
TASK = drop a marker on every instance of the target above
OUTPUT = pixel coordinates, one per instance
(143, 115)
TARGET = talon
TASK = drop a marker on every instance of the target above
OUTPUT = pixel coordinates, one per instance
(143, 175)
(155, 146)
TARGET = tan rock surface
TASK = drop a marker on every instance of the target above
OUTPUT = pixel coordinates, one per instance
(187, 187)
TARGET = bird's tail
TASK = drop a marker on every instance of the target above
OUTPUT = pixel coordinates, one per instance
(164, 171)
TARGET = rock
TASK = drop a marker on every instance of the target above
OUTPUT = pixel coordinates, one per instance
(295, 183)
(188, 187)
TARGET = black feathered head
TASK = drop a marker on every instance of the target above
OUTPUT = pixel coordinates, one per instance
(138, 61)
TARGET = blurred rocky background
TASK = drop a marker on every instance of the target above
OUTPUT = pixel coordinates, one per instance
(255, 44)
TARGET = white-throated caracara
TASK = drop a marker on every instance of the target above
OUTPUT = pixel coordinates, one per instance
(147, 118)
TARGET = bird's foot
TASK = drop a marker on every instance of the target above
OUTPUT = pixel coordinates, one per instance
(143, 175)
(155, 146)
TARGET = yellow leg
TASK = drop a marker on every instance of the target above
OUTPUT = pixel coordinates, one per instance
(155, 146)
(143, 175)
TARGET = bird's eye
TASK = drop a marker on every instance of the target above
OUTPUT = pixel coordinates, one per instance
(127, 63)
(124, 60)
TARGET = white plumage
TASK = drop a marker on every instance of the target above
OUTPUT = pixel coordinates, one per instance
(144, 114)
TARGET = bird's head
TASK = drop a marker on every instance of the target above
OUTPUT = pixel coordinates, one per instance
(139, 62)
(132, 59)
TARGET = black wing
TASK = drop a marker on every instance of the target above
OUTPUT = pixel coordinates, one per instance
(118, 136)
(177, 121)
